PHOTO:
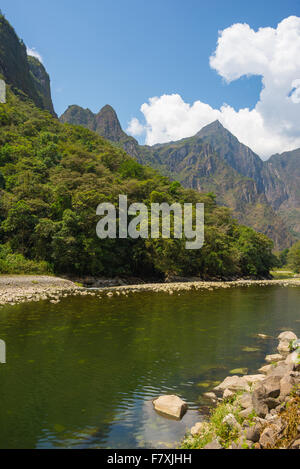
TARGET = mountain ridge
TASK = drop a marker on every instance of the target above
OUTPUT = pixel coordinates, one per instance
(215, 160)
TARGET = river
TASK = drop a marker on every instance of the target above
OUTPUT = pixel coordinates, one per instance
(82, 373)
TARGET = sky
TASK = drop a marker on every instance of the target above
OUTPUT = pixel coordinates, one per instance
(169, 67)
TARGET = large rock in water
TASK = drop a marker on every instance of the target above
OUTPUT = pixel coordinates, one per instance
(170, 405)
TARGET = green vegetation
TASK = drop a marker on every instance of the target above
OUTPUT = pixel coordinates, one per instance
(215, 428)
(52, 178)
(294, 257)
(12, 263)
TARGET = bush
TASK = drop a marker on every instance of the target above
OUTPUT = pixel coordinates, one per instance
(11, 263)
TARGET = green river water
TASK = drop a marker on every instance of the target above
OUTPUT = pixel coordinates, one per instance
(82, 373)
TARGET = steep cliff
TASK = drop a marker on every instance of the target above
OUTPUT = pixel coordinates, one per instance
(25, 74)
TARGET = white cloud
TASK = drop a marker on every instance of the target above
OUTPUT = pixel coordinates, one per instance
(135, 127)
(34, 53)
(273, 125)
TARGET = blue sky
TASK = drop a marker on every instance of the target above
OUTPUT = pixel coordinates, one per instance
(123, 52)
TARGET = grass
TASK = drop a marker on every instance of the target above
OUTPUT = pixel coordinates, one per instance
(215, 428)
(282, 274)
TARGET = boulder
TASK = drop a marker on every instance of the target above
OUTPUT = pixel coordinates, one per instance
(287, 336)
(287, 383)
(253, 379)
(281, 369)
(198, 428)
(276, 357)
(245, 400)
(214, 444)
(233, 383)
(268, 437)
(232, 422)
(253, 433)
(258, 401)
(283, 348)
(293, 359)
(265, 369)
(272, 402)
(246, 412)
(227, 394)
(170, 405)
(272, 386)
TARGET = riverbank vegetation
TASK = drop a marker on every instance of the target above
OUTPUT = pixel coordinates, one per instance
(52, 178)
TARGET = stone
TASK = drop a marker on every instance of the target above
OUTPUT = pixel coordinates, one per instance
(281, 369)
(170, 405)
(283, 348)
(253, 379)
(210, 396)
(293, 359)
(271, 403)
(198, 428)
(214, 444)
(253, 433)
(232, 422)
(287, 336)
(272, 386)
(227, 394)
(268, 437)
(265, 369)
(246, 412)
(287, 383)
(245, 400)
(233, 383)
(258, 403)
(276, 357)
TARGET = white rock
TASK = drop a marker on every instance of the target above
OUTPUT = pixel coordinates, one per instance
(265, 369)
(170, 405)
(274, 358)
(287, 336)
(233, 383)
(251, 379)
(227, 394)
(231, 421)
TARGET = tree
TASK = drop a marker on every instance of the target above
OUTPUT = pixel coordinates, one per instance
(294, 257)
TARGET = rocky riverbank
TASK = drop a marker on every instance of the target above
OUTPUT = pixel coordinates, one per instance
(259, 411)
(21, 288)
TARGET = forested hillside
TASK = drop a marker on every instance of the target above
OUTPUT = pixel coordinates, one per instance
(53, 176)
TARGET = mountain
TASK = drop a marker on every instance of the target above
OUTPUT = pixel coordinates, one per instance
(24, 73)
(53, 177)
(211, 161)
(285, 168)
(105, 123)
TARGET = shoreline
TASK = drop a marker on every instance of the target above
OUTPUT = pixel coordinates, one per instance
(260, 411)
(15, 289)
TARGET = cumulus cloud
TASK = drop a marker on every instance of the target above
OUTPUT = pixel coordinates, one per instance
(34, 53)
(135, 127)
(273, 124)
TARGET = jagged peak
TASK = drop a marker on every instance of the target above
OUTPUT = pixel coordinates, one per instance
(214, 126)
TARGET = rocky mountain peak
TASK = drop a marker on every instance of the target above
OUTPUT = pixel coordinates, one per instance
(108, 124)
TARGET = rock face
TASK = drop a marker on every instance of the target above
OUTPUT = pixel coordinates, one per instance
(22, 72)
(170, 405)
